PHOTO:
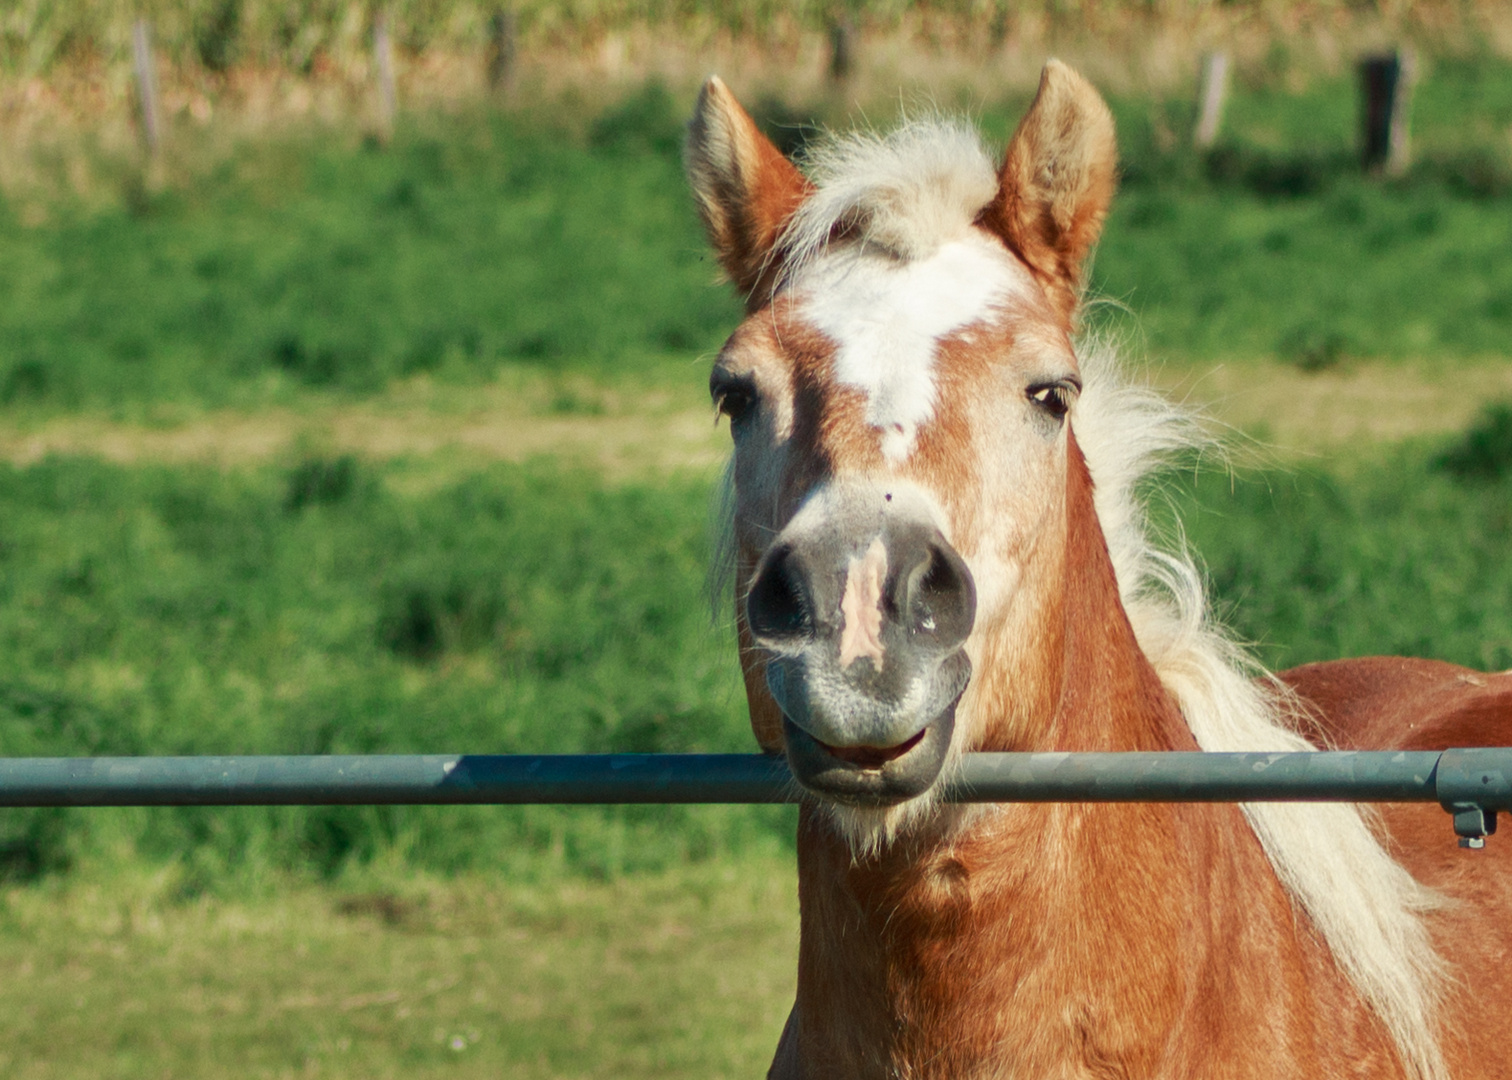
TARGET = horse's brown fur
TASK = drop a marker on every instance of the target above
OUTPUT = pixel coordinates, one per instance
(1400, 703)
(1138, 941)
(1052, 216)
(746, 189)
(1064, 941)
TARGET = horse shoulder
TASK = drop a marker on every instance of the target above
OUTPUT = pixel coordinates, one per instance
(1398, 703)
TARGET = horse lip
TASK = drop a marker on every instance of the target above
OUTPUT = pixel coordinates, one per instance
(875, 771)
(876, 729)
(873, 757)
(870, 776)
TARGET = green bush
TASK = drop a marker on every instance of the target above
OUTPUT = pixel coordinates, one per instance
(1485, 451)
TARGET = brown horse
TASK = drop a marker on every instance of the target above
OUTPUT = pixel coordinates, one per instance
(939, 549)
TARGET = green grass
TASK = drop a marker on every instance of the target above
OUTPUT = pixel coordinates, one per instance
(1398, 558)
(335, 604)
(326, 607)
(685, 974)
(318, 609)
(1360, 271)
(332, 604)
(313, 264)
(1275, 245)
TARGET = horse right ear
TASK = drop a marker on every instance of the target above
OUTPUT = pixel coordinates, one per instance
(746, 189)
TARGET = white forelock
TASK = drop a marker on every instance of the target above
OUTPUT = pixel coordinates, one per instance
(907, 192)
(919, 273)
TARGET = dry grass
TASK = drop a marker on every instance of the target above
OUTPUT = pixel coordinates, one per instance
(684, 975)
(618, 430)
(1345, 411)
(75, 115)
(624, 433)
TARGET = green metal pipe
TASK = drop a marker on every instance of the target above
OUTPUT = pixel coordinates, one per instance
(1479, 777)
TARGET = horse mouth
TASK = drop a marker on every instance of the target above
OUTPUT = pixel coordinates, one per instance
(871, 757)
(870, 776)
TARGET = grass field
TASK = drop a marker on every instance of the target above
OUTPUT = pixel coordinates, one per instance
(328, 265)
(341, 447)
(686, 974)
(215, 35)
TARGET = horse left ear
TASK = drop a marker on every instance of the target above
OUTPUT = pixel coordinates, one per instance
(1057, 181)
(746, 189)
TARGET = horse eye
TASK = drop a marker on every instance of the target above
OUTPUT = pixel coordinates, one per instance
(735, 403)
(735, 400)
(1054, 398)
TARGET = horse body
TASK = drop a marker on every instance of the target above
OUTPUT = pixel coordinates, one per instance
(1400, 703)
(1091, 940)
(940, 550)
(1081, 940)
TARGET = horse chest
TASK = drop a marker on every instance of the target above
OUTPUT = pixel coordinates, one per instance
(960, 964)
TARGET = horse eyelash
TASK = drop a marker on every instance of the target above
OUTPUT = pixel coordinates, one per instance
(733, 395)
(735, 402)
(1055, 398)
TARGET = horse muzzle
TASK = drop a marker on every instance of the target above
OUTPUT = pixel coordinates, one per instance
(865, 631)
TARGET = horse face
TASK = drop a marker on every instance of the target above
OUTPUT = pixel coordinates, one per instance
(900, 452)
(899, 395)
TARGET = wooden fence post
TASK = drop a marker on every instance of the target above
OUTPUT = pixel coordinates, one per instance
(1211, 92)
(842, 49)
(1386, 83)
(383, 56)
(503, 45)
(146, 80)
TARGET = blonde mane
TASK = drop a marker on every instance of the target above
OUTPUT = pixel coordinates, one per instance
(1367, 907)
(916, 189)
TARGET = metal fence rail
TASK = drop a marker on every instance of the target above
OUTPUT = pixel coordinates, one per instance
(1471, 784)
(1327, 776)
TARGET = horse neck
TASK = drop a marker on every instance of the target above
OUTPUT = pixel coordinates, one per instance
(915, 937)
(1082, 683)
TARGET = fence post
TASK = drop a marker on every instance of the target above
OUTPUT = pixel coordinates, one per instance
(146, 79)
(383, 57)
(1211, 91)
(842, 49)
(503, 45)
(1386, 83)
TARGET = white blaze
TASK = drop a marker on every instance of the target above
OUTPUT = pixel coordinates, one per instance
(886, 318)
(861, 607)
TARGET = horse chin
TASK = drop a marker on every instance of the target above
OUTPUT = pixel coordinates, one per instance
(869, 777)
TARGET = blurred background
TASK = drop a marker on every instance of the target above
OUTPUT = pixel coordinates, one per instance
(352, 399)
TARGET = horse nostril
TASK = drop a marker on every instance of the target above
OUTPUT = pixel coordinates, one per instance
(940, 597)
(778, 607)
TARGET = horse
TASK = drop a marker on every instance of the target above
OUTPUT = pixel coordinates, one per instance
(938, 546)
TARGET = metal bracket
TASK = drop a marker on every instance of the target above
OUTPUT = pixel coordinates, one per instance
(1473, 785)
(1472, 824)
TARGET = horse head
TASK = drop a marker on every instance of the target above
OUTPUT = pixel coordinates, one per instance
(900, 395)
